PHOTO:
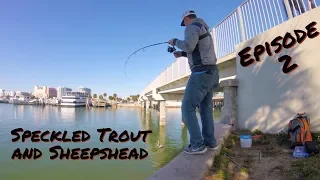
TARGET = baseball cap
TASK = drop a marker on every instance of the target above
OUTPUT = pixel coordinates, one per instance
(187, 13)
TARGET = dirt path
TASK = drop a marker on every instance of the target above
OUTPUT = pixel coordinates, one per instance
(268, 159)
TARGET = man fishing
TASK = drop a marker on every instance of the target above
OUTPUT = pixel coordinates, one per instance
(198, 47)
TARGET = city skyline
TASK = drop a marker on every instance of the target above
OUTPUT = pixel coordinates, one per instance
(72, 43)
(77, 89)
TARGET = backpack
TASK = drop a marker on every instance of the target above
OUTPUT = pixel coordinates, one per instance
(299, 130)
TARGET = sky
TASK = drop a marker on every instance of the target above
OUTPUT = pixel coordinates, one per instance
(76, 43)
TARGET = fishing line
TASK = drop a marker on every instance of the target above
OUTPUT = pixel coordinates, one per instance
(170, 49)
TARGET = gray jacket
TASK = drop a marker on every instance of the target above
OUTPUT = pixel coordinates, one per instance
(198, 46)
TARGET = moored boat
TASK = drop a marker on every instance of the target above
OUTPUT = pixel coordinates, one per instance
(74, 99)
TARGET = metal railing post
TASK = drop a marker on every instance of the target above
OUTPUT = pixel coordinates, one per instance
(172, 72)
(186, 70)
(214, 40)
(178, 69)
(243, 34)
(288, 9)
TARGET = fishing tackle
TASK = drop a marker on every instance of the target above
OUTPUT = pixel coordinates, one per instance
(170, 50)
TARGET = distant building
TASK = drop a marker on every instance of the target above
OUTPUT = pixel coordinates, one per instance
(2, 91)
(10, 93)
(40, 91)
(22, 94)
(44, 92)
(51, 92)
(84, 89)
(61, 91)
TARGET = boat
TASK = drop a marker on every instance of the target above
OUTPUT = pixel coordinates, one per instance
(74, 99)
(19, 100)
(3, 100)
(33, 102)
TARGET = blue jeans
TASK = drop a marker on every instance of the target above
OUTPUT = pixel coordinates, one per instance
(199, 92)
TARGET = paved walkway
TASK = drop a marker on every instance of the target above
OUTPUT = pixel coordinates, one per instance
(192, 167)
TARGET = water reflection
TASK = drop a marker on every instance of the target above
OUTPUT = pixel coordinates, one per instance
(172, 136)
(172, 145)
(147, 121)
(184, 135)
(162, 135)
(40, 114)
(68, 114)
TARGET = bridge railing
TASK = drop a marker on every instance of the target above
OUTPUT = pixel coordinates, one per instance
(251, 18)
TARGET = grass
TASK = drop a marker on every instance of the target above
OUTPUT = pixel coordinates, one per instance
(308, 168)
(268, 158)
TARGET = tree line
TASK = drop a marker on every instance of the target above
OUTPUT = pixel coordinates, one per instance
(115, 97)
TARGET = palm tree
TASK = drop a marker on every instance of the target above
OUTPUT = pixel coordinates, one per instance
(95, 96)
(134, 97)
(100, 97)
(115, 96)
(105, 95)
(128, 99)
(110, 98)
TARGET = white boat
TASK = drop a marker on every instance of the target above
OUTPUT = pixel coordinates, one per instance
(3, 100)
(74, 99)
(33, 102)
(19, 100)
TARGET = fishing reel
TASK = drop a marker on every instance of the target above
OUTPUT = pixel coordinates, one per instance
(171, 49)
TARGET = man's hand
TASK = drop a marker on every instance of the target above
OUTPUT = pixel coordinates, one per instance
(171, 41)
(177, 54)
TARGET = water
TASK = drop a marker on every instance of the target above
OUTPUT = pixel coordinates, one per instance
(173, 136)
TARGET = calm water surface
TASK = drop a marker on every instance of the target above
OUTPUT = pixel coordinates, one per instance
(173, 136)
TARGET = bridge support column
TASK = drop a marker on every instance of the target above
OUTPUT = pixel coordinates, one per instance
(158, 106)
(147, 106)
(162, 113)
(229, 109)
(142, 105)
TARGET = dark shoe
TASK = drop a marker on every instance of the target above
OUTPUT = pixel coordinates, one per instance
(212, 147)
(200, 150)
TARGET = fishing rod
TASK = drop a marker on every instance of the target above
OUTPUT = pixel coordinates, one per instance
(170, 50)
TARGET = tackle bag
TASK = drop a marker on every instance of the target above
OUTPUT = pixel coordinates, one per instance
(299, 130)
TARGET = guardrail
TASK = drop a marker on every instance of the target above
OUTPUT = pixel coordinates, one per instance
(251, 18)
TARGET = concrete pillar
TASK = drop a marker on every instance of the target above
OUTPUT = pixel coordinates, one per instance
(158, 106)
(229, 109)
(162, 113)
(147, 106)
(142, 105)
(153, 104)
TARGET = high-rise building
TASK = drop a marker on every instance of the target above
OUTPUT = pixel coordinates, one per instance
(84, 89)
(40, 91)
(51, 92)
(61, 91)
(44, 92)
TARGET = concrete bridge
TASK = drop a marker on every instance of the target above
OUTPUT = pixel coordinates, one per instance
(259, 100)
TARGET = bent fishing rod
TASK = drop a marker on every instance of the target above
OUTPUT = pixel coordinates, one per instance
(170, 50)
